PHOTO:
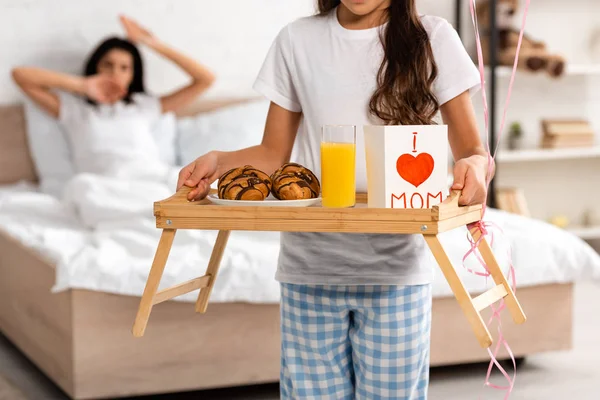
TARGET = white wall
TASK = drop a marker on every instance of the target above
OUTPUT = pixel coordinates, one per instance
(232, 37)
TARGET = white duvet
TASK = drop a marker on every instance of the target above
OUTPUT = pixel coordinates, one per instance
(102, 236)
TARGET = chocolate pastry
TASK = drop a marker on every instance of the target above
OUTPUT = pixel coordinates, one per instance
(244, 183)
(295, 182)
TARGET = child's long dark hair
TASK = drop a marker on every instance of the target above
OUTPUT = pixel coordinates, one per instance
(404, 82)
(91, 65)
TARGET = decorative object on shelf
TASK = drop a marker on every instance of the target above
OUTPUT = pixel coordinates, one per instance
(560, 221)
(534, 55)
(512, 200)
(515, 136)
(591, 218)
(566, 133)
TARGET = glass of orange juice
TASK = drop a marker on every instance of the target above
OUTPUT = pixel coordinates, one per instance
(338, 166)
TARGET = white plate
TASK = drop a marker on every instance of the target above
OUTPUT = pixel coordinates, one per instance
(268, 202)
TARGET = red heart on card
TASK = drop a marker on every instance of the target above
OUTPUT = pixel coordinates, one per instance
(415, 170)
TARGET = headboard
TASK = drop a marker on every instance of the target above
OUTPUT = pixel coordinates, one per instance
(15, 160)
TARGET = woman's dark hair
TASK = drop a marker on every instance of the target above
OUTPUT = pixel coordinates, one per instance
(91, 65)
(404, 93)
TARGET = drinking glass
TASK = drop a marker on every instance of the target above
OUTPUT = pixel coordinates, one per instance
(338, 166)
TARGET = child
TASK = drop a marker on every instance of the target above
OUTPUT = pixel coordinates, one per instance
(108, 116)
(356, 308)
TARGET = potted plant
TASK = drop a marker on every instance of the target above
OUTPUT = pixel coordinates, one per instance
(515, 135)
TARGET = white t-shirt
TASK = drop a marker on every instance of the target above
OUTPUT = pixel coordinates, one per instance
(328, 72)
(112, 140)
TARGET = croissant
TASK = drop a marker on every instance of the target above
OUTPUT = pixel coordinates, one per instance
(295, 182)
(244, 183)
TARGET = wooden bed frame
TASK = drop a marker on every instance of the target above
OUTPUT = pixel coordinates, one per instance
(82, 339)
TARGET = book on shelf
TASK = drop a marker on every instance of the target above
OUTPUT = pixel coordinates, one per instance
(566, 134)
(561, 143)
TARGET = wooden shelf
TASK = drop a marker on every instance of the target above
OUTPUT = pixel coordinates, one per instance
(586, 233)
(583, 69)
(514, 156)
(572, 70)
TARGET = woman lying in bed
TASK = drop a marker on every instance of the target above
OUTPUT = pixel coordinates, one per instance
(107, 114)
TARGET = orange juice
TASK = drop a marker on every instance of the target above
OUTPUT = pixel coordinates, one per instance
(338, 181)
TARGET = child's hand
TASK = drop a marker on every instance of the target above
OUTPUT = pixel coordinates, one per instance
(470, 177)
(199, 175)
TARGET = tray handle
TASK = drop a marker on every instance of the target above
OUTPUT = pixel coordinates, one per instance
(451, 201)
(450, 208)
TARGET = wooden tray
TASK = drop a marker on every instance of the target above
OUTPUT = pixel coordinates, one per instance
(177, 212)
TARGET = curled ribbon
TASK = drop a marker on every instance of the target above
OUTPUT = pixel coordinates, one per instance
(484, 227)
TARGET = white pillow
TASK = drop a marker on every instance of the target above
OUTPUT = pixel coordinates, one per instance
(49, 149)
(226, 129)
(165, 134)
(52, 155)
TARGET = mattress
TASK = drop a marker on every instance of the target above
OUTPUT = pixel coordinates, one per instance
(115, 256)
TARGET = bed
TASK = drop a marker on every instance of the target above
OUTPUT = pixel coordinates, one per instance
(69, 291)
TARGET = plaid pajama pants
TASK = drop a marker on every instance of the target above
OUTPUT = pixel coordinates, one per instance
(355, 342)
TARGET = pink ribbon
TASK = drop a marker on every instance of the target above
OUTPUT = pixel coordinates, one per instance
(484, 226)
(496, 310)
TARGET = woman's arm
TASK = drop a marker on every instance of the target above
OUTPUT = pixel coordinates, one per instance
(202, 78)
(274, 151)
(38, 83)
(471, 167)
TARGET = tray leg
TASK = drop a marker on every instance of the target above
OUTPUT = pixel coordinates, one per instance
(212, 270)
(464, 298)
(158, 266)
(513, 305)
